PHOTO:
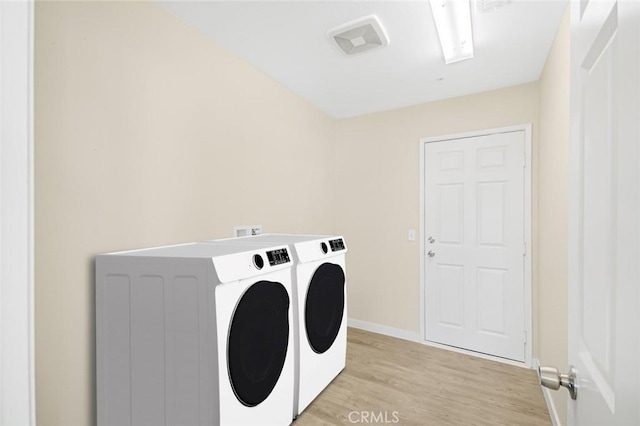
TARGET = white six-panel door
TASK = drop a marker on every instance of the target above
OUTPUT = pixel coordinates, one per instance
(604, 221)
(474, 243)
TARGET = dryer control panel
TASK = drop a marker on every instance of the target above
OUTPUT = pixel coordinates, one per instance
(337, 244)
(278, 257)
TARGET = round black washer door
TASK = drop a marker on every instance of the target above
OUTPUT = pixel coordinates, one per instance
(258, 340)
(324, 306)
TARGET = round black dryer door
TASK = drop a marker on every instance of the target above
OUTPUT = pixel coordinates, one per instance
(324, 306)
(258, 340)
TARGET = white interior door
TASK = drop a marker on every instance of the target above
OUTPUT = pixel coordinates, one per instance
(474, 243)
(604, 216)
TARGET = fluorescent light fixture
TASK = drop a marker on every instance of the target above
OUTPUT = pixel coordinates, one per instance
(453, 22)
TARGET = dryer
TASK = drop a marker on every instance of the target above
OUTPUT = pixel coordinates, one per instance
(195, 334)
(320, 297)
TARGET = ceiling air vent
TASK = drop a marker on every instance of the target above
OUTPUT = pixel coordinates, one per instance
(359, 35)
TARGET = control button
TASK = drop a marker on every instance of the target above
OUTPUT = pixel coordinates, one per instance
(258, 261)
(324, 248)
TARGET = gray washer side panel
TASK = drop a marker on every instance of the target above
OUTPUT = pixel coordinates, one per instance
(155, 342)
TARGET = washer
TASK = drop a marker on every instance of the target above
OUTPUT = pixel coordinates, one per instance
(195, 334)
(320, 294)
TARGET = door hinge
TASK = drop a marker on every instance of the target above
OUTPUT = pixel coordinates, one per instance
(525, 337)
(524, 249)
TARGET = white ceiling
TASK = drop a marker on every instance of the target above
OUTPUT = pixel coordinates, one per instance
(287, 40)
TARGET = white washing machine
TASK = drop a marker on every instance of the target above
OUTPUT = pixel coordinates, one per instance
(195, 334)
(320, 294)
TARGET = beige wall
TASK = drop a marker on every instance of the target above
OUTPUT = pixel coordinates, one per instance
(553, 151)
(147, 133)
(377, 176)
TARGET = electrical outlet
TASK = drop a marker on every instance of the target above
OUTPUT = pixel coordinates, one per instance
(255, 229)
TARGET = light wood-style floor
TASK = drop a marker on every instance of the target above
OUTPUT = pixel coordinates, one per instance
(425, 386)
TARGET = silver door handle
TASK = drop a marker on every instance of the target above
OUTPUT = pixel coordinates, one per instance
(431, 253)
(552, 379)
(431, 240)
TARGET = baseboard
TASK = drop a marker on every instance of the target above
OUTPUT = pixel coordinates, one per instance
(383, 329)
(551, 406)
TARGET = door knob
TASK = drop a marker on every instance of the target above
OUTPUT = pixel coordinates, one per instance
(431, 240)
(552, 379)
(431, 253)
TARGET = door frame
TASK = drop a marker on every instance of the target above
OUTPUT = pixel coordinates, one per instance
(17, 373)
(528, 323)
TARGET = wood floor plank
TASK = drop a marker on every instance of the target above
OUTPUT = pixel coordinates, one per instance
(406, 383)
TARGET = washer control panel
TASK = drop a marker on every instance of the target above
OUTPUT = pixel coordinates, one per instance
(278, 257)
(337, 244)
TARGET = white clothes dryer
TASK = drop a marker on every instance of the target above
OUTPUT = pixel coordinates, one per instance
(195, 334)
(320, 295)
